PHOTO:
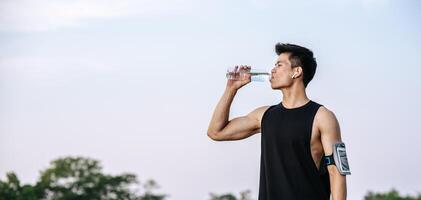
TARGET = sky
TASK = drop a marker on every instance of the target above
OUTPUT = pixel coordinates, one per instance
(134, 84)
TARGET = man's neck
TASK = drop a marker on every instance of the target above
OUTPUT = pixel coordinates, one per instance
(294, 96)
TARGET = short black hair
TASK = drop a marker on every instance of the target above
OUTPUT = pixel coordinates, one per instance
(299, 56)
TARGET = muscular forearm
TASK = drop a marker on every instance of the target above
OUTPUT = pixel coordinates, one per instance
(221, 113)
(338, 186)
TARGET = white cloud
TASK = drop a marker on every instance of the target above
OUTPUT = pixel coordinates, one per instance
(43, 15)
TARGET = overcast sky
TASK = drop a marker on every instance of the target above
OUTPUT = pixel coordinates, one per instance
(134, 84)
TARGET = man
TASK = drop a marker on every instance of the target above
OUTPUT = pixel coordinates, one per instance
(297, 133)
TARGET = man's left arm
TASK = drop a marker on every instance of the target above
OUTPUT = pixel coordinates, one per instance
(330, 134)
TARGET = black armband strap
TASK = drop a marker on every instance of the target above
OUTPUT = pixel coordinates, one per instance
(338, 158)
(328, 160)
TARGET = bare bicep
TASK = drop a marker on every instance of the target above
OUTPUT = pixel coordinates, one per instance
(243, 127)
(239, 128)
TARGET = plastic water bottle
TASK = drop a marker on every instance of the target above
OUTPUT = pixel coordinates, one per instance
(259, 75)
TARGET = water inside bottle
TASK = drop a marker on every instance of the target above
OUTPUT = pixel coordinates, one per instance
(257, 75)
(260, 77)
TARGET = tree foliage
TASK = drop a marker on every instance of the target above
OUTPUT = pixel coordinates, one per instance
(77, 178)
(245, 195)
(80, 178)
(393, 194)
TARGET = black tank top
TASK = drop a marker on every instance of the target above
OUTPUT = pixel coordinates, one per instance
(287, 169)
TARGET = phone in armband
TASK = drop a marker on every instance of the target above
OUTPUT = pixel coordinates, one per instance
(339, 158)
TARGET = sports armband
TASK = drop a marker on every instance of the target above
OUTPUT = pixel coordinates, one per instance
(338, 158)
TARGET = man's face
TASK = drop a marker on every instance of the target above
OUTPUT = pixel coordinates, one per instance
(282, 72)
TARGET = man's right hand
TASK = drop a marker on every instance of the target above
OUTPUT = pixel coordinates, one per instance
(220, 127)
(242, 79)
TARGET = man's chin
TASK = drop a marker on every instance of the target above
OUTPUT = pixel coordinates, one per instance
(275, 87)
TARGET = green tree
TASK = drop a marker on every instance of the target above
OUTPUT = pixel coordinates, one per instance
(393, 194)
(12, 189)
(148, 195)
(77, 178)
(245, 195)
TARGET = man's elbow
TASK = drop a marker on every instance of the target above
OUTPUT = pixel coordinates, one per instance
(213, 136)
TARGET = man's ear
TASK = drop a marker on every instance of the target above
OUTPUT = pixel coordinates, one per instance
(298, 71)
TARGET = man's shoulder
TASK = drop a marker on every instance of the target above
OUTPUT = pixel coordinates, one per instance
(258, 112)
(325, 116)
